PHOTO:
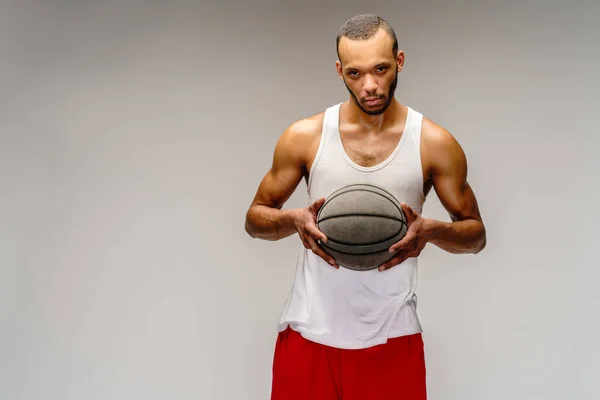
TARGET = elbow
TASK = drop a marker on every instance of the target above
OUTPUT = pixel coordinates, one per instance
(249, 230)
(480, 247)
(248, 226)
(481, 243)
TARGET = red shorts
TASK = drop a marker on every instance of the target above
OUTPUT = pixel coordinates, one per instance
(305, 370)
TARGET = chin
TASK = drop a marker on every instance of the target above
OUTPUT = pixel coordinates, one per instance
(375, 111)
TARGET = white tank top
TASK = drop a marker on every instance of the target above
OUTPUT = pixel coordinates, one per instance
(351, 309)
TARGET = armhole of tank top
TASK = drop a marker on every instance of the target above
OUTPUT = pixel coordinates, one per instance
(418, 121)
(324, 135)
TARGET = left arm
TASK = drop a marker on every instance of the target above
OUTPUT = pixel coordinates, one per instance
(466, 232)
(448, 172)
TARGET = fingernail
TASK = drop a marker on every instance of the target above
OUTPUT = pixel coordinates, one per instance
(381, 269)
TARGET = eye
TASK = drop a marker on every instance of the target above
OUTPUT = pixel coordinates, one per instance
(382, 69)
(353, 73)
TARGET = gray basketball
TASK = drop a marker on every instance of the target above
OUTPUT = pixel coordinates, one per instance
(361, 222)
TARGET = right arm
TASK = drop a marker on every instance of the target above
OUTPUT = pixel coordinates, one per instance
(265, 218)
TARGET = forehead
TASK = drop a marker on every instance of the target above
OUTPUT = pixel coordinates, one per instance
(365, 52)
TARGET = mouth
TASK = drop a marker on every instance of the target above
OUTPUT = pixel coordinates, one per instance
(373, 102)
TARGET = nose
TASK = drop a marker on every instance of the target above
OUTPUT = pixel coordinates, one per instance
(369, 86)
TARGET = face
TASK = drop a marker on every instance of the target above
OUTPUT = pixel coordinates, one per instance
(370, 70)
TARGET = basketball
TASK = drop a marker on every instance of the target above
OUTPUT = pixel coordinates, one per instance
(361, 222)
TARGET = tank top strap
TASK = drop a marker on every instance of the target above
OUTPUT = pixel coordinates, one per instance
(331, 120)
(416, 123)
(411, 149)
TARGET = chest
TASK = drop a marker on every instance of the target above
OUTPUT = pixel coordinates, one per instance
(367, 149)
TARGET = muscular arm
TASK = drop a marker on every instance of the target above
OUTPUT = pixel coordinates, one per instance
(448, 168)
(265, 219)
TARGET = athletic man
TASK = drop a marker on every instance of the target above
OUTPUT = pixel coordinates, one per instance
(355, 335)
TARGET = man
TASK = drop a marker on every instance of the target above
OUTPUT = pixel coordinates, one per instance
(346, 334)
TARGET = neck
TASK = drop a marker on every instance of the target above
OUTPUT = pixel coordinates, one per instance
(354, 115)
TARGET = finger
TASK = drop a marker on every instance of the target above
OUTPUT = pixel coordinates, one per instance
(409, 212)
(316, 233)
(398, 245)
(314, 207)
(319, 251)
(392, 263)
(402, 243)
(305, 243)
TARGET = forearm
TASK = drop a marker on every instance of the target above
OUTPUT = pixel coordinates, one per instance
(456, 237)
(269, 223)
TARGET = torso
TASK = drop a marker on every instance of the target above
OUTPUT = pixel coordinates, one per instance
(365, 149)
(369, 148)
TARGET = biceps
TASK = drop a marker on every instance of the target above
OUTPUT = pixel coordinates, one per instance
(286, 171)
(457, 197)
(278, 185)
(453, 190)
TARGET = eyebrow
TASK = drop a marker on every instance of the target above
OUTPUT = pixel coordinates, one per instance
(380, 64)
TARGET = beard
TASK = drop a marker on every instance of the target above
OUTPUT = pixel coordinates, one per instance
(384, 106)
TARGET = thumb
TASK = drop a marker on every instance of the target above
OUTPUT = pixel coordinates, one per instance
(314, 207)
(410, 214)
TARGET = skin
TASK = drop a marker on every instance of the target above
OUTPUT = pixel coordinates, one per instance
(370, 132)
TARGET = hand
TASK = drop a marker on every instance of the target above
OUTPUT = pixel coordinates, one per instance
(412, 243)
(305, 222)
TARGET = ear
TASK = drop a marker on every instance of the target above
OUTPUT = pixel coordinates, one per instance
(338, 67)
(400, 60)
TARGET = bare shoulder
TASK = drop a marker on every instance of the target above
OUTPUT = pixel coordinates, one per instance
(436, 137)
(301, 138)
(439, 148)
(306, 129)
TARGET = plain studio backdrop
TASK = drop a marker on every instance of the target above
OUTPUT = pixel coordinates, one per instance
(134, 135)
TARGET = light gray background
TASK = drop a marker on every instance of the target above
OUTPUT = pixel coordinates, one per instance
(134, 134)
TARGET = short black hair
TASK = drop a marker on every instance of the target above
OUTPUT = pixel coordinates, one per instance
(364, 26)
